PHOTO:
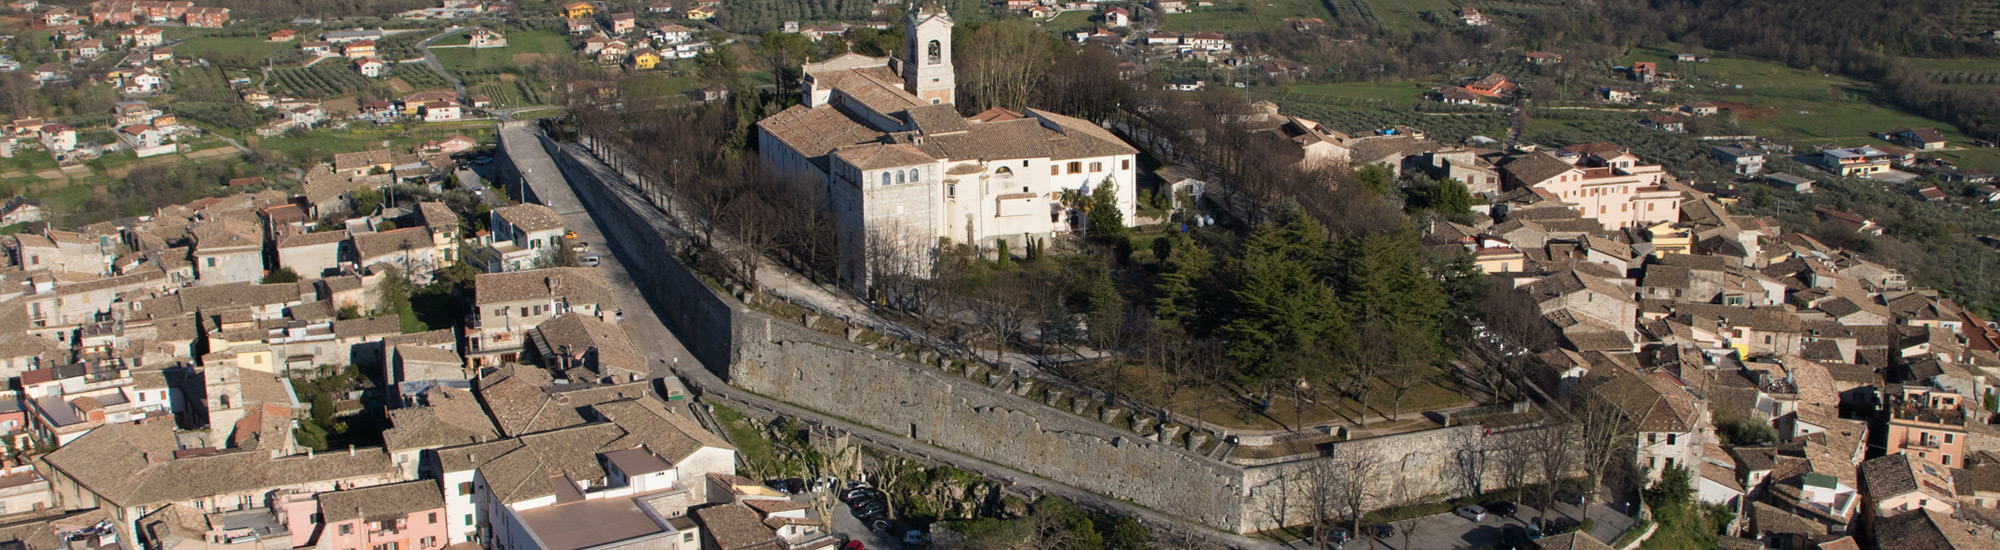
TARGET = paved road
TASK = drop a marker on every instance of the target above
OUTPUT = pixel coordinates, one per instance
(1451, 532)
(432, 60)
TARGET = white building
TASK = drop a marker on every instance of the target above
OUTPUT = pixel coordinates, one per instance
(901, 169)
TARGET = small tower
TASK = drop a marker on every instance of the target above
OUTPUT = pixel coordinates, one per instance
(927, 68)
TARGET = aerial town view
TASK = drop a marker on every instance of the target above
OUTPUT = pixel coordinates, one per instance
(788, 274)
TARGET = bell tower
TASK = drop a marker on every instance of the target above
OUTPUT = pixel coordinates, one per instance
(927, 68)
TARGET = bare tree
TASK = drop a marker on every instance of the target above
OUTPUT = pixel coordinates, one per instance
(1408, 366)
(1468, 461)
(1554, 450)
(1354, 472)
(1605, 433)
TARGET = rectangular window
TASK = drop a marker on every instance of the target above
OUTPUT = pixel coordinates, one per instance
(428, 541)
(1075, 167)
(1097, 167)
(1127, 164)
(468, 519)
(1055, 170)
(1947, 439)
(346, 529)
(1671, 438)
(1652, 438)
(1947, 459)
(434, 517)
(951, 190)
(211, 262)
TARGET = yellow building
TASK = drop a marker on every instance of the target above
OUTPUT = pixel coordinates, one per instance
(702, 13)
(577, 10)
(645, 59)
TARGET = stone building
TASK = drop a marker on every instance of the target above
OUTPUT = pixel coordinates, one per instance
(887, 152)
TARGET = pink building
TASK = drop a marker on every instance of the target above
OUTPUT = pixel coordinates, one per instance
(401, 516)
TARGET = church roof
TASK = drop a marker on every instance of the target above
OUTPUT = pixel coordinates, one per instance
(877, 156)
(815, 132)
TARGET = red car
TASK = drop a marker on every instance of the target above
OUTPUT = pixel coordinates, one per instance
(854, 545)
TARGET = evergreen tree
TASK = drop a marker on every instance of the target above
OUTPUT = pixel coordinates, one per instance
(1002, 256)
(1107, 223)
(1103, 311)
(1186, 265)
(1283, 306)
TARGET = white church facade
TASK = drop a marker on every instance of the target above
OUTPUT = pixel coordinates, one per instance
(901, 170)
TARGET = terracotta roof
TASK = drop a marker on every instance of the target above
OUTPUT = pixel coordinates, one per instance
(530, 217)
(396, 500)
(577, 285)
(736, 527)
(1927, 530)
(376, 245)
(132, 465)
(446, 416)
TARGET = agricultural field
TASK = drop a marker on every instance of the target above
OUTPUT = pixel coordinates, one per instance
(420, 77)
(1799, 107)
(1975, 72)
(325, 80)
(1387, 94)
(523, 49)
(249, 48)
(1404, 15)
(1072, 20)
(647, 86)
(1240, 16)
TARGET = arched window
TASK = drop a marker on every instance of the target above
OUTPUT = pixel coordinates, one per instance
(885, 178)
(937, 52)
(1003, 172)
(899, 176)
(913, 175)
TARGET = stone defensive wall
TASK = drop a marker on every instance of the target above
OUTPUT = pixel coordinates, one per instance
(996, 417)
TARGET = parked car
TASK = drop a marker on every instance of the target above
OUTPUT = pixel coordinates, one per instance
(1382, 530)
(913, 537)
(482, 161)
(581, 246)
(1335, 536)
(591, 261)
(1472, 512)
(793, 485)
(1501, 508)
(1533, 531)
(854, 545)
(872, 509)
(855, 493)
(1557, 526)
(880, 526)
(1510, 538)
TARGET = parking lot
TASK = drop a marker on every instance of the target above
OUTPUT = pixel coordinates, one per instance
(1452, 532)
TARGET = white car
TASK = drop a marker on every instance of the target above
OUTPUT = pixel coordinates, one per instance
(590, 261)
(1472, 512)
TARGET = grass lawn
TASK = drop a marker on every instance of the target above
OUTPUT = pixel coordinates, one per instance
(654, 85)
(455, 39)
(750, 444)
(1383, 94)
(1405, 15)
(323, 144)
(1245, 15)
(1072, 20)
(247, 46)
(522, 49)
(1803, 108)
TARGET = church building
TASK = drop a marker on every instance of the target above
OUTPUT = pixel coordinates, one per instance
(900, 169)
